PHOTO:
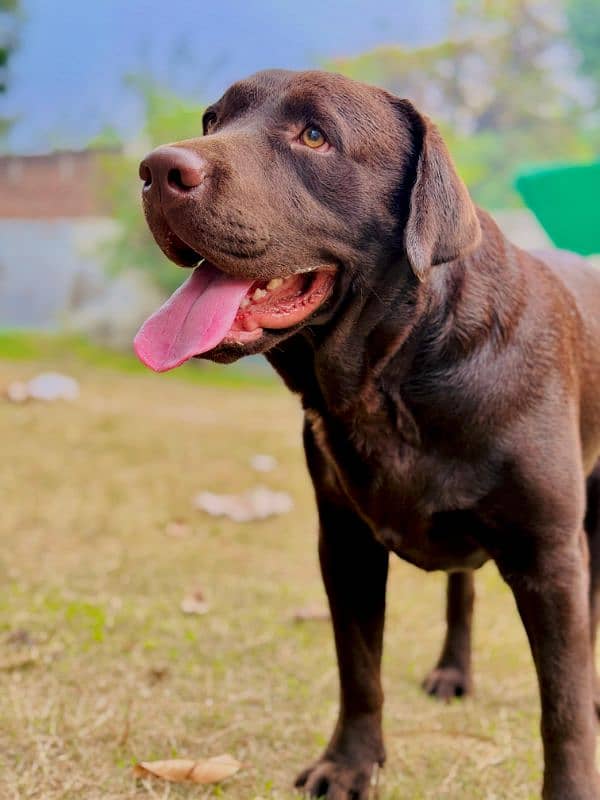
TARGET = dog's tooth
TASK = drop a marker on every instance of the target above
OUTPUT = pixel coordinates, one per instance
(275, 283)
(245, 301)
(258, 294)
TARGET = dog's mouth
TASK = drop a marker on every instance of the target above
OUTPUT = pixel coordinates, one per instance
(212, 307)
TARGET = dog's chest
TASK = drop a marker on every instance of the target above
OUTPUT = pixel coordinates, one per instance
(416, 504)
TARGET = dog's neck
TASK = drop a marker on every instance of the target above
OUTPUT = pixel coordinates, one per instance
(390, 336)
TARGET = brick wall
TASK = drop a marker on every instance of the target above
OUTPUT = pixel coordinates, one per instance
(52, 186)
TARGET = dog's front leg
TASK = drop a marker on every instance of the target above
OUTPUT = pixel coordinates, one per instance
(354, 568)
(549, 580)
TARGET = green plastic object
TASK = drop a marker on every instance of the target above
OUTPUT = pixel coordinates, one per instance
(566, 200)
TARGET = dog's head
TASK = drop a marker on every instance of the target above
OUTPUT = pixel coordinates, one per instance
(305, 186)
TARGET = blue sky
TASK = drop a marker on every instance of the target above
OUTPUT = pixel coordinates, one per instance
(67, 76)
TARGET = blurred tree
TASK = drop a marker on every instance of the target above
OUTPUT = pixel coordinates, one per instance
(503, 89)
(167, 118)
(8, 39)
(584, 26)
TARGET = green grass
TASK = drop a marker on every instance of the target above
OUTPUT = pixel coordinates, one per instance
(98, 665)
(73, 350)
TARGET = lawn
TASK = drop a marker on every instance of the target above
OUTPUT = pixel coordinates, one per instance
(100, 667)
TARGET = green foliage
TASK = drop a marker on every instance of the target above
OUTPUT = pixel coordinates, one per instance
(167, 118)
(9, 15)
(503, 89)
(74, 352)
(8, 37)
(488, 161)
(584, 27)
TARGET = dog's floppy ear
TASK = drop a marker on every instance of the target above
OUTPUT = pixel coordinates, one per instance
(442, 221)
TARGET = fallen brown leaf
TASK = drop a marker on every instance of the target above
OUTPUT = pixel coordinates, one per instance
(177, 529)
(195, 603)
(20, 638)
(182, 770)
(318, 613)
(157, 674)
(21, 661)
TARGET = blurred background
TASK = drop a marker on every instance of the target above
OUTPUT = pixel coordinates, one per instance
(86, 89)
(159, 588)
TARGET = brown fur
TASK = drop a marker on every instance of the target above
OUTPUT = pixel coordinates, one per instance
(451, 387)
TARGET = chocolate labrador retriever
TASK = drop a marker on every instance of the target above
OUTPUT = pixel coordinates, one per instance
(450, 382)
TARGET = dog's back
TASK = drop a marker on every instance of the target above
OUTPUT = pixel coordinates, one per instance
(582, 281)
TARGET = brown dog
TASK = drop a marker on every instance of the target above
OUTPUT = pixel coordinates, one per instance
(450, 381)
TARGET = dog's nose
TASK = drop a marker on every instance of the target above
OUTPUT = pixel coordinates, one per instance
(172, 170)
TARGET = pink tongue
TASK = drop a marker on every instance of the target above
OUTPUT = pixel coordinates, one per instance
(193, 320)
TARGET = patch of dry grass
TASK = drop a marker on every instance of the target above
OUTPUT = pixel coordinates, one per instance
(117, 673)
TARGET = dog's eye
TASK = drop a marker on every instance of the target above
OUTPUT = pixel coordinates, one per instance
(312, 137)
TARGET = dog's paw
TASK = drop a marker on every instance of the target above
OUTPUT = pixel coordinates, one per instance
(335, 781)
(445, 683)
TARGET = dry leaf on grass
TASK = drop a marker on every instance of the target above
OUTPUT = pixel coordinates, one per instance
(195, 603)
(256, 503)
(157, 674)
(309, 613)
(181, 770)
(20, 661)
(177, 529)
(19, 637)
